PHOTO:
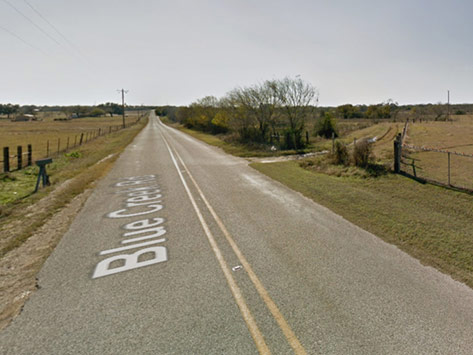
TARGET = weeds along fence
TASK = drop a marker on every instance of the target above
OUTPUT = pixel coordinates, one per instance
(438, 166)
(51, 148)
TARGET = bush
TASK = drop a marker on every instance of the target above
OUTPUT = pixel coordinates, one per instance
(340, 154)
(74, 154)
(96, 112)
(362, 154)
(326, 126)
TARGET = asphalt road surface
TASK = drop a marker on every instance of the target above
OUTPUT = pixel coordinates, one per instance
(182, 249)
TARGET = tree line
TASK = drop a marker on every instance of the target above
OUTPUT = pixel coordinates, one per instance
(8, 109)
(108, 108)
(254, 114)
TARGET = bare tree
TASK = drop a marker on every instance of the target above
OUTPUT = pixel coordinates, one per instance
(240, 120)
(298, 99)
(259, 103)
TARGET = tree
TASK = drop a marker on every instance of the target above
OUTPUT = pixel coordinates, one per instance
(111, 108)
(259, 103)
(96, 112)
(298, 99)
(326, 126)
(238, 118)
(438, 111)
(9, 109)
(348, 111)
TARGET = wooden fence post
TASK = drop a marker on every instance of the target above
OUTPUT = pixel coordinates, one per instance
(333, 142)
(19, 156)
(47, 148)
(6, 159)
(397, 153)
(30, 154)
(67, 146)
(449, 169)
(81, 138)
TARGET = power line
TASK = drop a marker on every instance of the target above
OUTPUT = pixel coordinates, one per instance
(22, 40)
(52, 26)
(32, 22)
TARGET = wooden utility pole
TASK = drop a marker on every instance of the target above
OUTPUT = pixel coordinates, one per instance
(448, 105)
(123, 104)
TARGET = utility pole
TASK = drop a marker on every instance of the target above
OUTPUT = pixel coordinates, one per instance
(123, 104)
(448, 105)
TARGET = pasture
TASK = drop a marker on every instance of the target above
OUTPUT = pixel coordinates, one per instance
(449, 169)
(57, 133)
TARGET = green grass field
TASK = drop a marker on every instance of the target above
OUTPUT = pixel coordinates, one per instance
(430, 223)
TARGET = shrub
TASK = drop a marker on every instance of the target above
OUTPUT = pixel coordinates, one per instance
(326, 126)
(96, 112)
(362, 154)
(340, 154)
(74, 154)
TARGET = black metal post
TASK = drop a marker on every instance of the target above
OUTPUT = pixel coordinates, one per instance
(6, 159)
(19, 156)
(397, 153)
(30, 154)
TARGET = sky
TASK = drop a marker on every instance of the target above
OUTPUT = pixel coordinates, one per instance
(57, 52)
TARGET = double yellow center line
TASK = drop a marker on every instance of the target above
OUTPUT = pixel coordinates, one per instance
(237, 294)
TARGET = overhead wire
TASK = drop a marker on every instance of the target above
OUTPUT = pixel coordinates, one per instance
(52, 26)
(32, 22)
(22, 40)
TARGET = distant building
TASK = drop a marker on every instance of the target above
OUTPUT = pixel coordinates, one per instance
(24, 118)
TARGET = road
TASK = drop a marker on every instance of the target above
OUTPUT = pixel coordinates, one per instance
(182, 249)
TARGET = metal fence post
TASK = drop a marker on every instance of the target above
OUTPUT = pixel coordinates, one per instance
(19, 156)
(6, 159)
(30, 154)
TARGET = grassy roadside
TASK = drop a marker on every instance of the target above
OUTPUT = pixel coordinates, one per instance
(430, 223)
(238, 150)
(31, 227)
(21, 213)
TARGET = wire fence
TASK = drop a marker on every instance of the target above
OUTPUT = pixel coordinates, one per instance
(53, 148)
(438, 166)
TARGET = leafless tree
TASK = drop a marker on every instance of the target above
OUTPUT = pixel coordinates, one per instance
(298, 100)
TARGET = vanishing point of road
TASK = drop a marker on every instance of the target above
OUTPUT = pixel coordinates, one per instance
(182, 249)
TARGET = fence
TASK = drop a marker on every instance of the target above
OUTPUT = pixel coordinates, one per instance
(54, 148)
(437, 166)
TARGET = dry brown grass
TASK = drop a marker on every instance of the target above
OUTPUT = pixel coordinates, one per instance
(30, 228)
(456, 136)
(38, 133)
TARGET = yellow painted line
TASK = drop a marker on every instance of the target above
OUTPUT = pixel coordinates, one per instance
(273, 308)
(245, 311)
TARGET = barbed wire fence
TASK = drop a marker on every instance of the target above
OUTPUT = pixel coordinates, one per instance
(53, 148)
(433, 165)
